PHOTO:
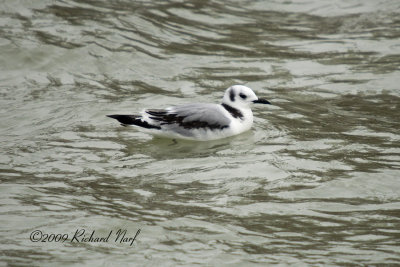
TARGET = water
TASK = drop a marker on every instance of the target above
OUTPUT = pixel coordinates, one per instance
(315, 182)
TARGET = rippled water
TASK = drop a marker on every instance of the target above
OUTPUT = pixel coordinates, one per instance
(315, 182)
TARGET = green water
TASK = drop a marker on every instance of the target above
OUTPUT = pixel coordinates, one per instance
(315, 182)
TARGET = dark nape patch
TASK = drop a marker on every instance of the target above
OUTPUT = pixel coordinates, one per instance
(232, 95)
(233, 111)
(167, 118)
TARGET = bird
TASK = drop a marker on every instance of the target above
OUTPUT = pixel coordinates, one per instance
(199, 121)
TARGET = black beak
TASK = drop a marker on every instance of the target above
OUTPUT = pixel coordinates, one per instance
(261, 101)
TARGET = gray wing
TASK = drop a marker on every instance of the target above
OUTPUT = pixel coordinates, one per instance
(191, 116)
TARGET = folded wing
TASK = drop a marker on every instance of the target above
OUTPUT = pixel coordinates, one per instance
(192, 116)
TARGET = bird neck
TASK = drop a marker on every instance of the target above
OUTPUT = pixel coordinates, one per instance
(242, 113)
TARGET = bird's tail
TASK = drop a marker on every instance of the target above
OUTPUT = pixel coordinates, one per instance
(133, 120)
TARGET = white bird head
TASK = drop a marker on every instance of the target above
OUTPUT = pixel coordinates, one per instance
(240, 96)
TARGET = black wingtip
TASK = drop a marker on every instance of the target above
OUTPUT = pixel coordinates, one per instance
(112, 116)
(133, 120)
(124, 119)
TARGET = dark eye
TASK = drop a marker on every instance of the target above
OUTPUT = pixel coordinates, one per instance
(243, 96)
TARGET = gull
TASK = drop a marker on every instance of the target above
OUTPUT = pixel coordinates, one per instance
(199, 121)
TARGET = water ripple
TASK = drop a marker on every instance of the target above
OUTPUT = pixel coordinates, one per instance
(313, 183)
